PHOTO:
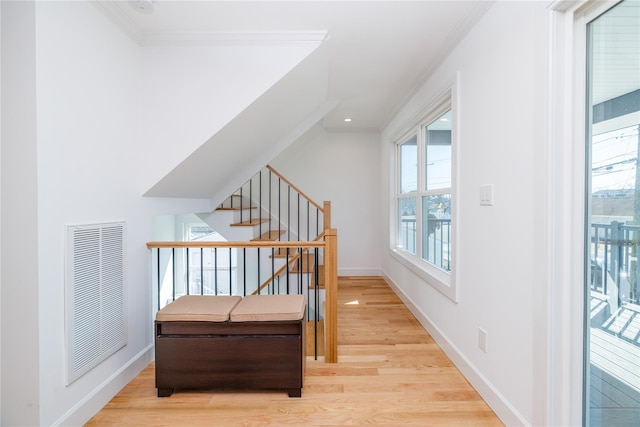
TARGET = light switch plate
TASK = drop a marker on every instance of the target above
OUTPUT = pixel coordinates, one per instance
(486, 195)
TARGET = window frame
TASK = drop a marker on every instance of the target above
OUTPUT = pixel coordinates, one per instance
(438, 278)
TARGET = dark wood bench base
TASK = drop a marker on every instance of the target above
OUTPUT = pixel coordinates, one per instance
(165, 392)
(297, 392)
(230, 355)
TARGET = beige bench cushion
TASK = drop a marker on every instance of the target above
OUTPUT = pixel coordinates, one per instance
(263, 308)
(199, 308)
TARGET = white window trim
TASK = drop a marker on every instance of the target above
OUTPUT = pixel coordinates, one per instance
(441, 280)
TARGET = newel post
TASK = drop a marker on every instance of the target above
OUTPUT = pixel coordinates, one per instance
(326, 215)
(331, 299)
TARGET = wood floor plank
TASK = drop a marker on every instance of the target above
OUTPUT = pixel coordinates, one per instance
(389, 372)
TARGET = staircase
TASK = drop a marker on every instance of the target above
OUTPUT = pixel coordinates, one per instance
(268, 208)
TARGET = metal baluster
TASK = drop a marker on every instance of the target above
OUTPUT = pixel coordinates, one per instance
(289, 212)
(187, 284)
(300, 251)
(173, 266)
(287, 270)
(215, 270)
(251, 200)
(159, 281)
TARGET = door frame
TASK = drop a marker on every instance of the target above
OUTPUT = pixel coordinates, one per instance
(567, 212)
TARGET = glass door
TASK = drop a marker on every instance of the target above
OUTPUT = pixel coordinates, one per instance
(612, 324)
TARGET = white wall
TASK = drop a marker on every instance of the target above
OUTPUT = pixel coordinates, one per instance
(342, 168)
(501, 251)
(19, 275)
(89, 98)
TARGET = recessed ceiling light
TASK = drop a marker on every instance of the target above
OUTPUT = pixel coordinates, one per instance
(444, 119)
(348, 119)
(143, 6)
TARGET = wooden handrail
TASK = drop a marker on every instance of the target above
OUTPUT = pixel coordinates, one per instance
(294, 187)
(247, 244)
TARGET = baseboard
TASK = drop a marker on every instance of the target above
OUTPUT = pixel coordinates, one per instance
(359, 272)
(496, 401)
(82, 412)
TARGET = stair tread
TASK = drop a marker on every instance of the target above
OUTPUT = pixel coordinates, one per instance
(254, 221)
(269, 235)
(235, 208)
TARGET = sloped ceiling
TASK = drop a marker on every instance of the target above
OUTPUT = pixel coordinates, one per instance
(278, 118)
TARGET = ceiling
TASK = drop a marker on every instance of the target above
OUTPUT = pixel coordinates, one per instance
(380, 51)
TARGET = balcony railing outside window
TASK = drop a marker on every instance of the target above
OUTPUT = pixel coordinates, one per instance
(436, 243)
(614, 263)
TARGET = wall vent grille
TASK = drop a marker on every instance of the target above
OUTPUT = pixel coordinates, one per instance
(95, 296)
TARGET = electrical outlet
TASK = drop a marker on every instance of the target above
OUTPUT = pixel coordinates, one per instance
(482, 339)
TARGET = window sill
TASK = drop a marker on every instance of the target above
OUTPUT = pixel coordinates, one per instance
(442, 281)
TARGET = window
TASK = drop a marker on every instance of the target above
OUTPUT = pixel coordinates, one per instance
(408, 154)
(424, 194)
(212, 271)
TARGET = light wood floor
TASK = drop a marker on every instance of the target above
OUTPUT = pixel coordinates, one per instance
(390, 372)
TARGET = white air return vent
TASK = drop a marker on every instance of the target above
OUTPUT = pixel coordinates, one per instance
(95, 297)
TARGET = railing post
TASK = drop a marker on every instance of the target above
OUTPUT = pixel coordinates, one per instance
(326, 215)
(331, 298)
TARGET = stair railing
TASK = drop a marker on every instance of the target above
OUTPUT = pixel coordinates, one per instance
(326, 247)
(278, 208)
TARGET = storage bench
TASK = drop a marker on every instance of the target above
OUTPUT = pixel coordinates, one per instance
(230, 342)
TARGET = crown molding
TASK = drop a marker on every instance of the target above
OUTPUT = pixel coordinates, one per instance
(113, 11)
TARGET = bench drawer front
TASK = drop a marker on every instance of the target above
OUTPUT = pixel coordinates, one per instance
(253, 361)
